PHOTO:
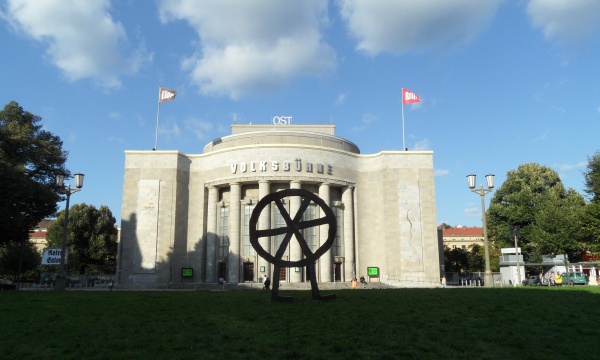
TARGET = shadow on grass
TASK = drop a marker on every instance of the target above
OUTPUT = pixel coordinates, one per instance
(480, 323)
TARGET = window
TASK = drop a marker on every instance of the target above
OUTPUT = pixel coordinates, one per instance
(248, 249)
(310, 233)
(223, 232)
(336, 248)
(278, 222)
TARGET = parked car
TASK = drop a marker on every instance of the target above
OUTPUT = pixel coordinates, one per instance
(575, 278)
(6, 284)
(532, 281)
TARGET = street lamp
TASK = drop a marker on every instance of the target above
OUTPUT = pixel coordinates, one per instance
(488, 279)
(61, 278)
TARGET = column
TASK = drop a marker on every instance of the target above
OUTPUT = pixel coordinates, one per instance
(325, 262)
(349, 259)
(233, 259)
(294, 246)
(211, 235)
(264, 222)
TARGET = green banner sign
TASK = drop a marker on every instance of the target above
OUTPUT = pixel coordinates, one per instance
(373, 271)
(187, 272)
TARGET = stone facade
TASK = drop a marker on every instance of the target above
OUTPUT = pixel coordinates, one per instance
(185, 211)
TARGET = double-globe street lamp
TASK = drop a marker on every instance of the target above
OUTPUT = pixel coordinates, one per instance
(488, 279)
(61, 278)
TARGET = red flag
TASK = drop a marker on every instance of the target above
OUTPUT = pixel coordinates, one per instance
(165, 95)
(409, 97)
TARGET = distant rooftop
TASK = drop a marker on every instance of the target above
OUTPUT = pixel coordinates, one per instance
(464, 231)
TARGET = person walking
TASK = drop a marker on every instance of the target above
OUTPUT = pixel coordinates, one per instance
(267, 283)
(354, 283)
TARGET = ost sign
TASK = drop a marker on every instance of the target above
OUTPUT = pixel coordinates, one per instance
(282, 120)
(52, 257)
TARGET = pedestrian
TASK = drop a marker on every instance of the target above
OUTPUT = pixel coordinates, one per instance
(354, 283)
(110, 285)
(558, 279)
(267, 283)
(444, 282)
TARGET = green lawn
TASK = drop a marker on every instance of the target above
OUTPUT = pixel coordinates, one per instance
(454, 323)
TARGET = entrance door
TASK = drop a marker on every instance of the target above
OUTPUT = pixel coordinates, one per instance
(337, 273)
(223, 270)
(248, 271)
(282, 274)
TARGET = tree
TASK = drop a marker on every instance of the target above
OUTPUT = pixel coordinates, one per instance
(456, 260)
(29, 160)
(590, 220)
(476, 257)
(18, 258)
(534, 199)
(590, 226)
(91, 239)
(592, 177)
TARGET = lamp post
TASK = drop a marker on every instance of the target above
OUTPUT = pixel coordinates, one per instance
(61, 278)
(488, 279)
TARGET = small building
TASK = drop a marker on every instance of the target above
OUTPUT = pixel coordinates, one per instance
(461, 237)
(37, 236)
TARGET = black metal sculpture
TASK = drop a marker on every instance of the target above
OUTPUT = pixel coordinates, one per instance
(294, 227)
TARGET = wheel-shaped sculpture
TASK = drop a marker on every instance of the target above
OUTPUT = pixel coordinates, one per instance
(293, 228)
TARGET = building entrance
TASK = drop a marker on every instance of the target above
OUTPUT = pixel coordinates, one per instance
(223, 270)
(337, 272)
(248, 272)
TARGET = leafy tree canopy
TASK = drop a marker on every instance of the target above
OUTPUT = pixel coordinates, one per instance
(592, 177)
(470, 260)
(15, 256)
(30, 158)
(91, 239)
(534, 199)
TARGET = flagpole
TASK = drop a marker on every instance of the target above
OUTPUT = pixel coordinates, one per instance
(157, 115)
(403, 143)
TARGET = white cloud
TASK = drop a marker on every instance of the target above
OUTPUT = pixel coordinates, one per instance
(473, 211)
(366, 121)
(82, 39)
(341, 99)
(565, 21)
(543, 136)
(567, 167)
(441, 172)
(198, 127)
(254, 46)
(406, 25)
(170, 129)
(424, 144)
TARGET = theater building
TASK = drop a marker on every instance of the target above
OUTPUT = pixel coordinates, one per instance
(185, 217)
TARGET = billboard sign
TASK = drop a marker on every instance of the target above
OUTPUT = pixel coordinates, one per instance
(52, 256)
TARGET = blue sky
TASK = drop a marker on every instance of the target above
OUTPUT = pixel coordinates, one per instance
(501, 83)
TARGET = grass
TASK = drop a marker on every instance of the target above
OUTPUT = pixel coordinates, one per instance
(471, 323)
